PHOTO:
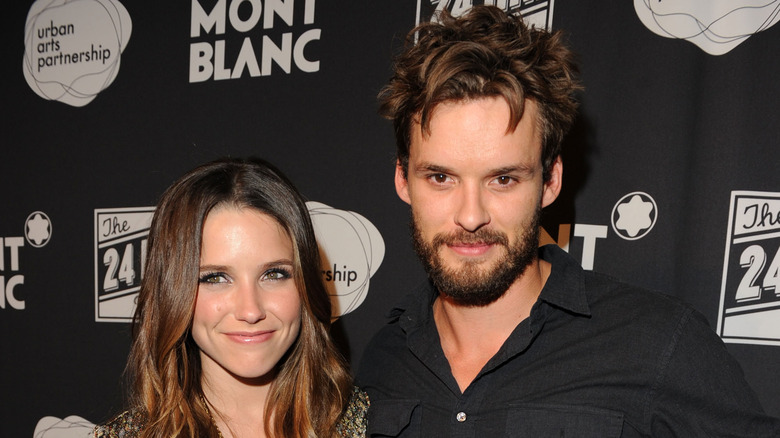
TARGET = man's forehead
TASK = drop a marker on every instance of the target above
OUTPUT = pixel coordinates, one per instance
(528, 110)
(479, 123)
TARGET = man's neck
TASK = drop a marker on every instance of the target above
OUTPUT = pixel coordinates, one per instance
(470, 336)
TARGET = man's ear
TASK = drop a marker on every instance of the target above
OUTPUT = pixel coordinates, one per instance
(552, 187)
(401, 183)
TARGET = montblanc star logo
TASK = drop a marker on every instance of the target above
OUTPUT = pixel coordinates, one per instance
(37, 229)
(634, 215)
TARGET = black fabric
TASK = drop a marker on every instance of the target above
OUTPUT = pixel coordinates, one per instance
(596, 357)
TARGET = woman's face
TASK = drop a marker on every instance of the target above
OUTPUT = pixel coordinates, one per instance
(247, 312)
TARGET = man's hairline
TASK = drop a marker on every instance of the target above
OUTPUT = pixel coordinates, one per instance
(425, 130)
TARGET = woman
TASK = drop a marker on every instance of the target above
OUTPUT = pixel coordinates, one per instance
(231, 330)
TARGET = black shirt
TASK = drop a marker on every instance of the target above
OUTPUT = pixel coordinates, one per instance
(595, 358)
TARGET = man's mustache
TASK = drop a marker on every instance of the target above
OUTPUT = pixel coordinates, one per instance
(461, 237)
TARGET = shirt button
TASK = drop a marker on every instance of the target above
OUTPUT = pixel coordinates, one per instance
(461, 417)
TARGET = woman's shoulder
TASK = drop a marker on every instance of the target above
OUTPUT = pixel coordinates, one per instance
(128, 424)
(353, 422)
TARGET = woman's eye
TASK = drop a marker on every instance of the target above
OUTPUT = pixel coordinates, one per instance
(277, 274)
(212, 278)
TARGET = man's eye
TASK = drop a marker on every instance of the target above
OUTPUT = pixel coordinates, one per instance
(439, 178)
(504, 180)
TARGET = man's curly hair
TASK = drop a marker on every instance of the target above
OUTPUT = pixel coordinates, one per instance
(485, 53)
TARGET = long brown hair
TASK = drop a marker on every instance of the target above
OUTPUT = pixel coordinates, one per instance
(312, 384)
(484, 53)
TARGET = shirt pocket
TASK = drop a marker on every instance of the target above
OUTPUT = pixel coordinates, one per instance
(394, 418)
(562, 421)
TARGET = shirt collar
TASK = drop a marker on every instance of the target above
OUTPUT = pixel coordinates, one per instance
(565, 286)
(415, 308)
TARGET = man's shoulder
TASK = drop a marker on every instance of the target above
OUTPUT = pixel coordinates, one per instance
(640, 313)
(391, 336)
(411, 310)
(605, 290)
(570, 285)
(381, 356)
(390, 343)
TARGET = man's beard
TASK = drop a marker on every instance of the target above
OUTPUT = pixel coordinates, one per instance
(472, 284)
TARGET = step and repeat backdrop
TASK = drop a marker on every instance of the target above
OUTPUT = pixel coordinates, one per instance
(671, 181)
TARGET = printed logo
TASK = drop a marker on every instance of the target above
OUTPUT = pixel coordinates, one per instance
(37, 233)
(37, 229)
(72, 48)
(634, 215)
(534, 12)
(120, 251)
(715, 26)
(72, 426)
(351, 249)
(749, 310)
(215, 54)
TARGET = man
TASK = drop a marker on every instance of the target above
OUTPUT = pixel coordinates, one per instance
(507, 339)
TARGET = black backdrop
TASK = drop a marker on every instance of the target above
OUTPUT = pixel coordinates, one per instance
(671, 174)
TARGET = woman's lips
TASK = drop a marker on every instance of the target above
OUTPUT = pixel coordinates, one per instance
(254, 337)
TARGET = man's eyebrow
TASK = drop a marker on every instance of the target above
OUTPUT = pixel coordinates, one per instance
(520, 168)
(430, 167)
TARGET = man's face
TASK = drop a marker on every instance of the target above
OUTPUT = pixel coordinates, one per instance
(476, 192)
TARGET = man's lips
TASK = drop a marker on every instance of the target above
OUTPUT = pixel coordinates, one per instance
(470, 249)
(253, 337)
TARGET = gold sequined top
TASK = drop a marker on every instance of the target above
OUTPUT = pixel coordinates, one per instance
(129, 424)
(355, 418)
